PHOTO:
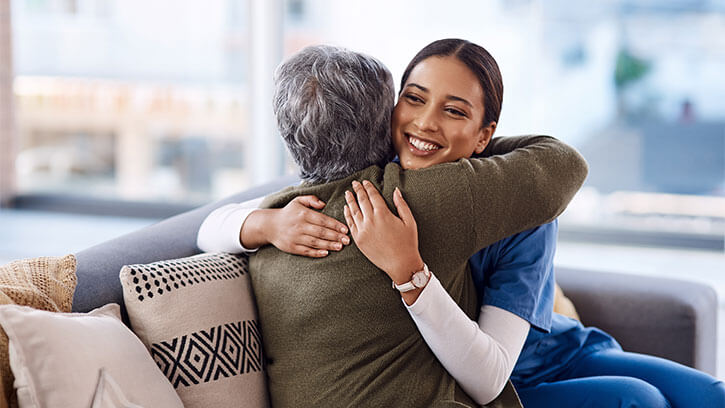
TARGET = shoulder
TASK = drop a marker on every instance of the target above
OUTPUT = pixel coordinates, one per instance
(541, 236)
(431, 176)
(530, 250)
(280, 198)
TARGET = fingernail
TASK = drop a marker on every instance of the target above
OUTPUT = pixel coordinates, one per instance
(337, 245)
(345, 240)
(323, 253)
(343, 230)
(355, 183)
(366, 183)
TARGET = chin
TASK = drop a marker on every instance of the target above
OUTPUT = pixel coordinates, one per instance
(416, 163)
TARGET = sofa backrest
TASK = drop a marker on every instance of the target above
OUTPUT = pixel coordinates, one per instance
(98, 267)
(655, 315)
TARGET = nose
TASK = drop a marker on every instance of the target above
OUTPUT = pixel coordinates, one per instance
(427, 120)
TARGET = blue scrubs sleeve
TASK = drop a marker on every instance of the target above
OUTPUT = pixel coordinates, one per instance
(517, 274)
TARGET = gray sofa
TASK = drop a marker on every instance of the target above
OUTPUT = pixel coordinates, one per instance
(663, 317)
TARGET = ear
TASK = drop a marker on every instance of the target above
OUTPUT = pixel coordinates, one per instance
(484, 136)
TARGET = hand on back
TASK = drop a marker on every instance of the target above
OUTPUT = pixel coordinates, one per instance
(298, 228)
(389, 242)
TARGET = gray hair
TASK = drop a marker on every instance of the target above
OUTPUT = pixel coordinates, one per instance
(333, 109)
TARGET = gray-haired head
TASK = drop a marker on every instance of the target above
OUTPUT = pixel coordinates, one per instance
(333, 109)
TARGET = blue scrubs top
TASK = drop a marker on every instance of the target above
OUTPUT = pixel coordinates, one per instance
(517, 274)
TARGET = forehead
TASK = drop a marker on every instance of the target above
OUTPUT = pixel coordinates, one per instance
(447, 76)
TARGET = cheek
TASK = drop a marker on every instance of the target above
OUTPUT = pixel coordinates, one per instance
(395, 129)
(464, 143)
(401, 118)
(399, 113)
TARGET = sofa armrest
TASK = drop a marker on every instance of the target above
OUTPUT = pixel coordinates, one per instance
(659, 316)
(98, 267)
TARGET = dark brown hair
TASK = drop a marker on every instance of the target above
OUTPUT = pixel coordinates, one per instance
(478, 60)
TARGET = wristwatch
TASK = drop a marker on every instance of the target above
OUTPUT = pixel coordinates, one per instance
(419, 280)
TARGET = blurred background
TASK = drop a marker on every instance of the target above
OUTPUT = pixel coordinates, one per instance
(125, 112)
(155, 102)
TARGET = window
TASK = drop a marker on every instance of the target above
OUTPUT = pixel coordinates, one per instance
(636, 86)
(133, 100)
(152, 100)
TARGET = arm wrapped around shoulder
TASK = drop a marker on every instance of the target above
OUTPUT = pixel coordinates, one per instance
(524, 181)
(561, 174)
(472, 203)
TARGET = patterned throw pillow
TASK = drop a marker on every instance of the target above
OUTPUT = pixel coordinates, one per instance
(45, 283)
(198, 318)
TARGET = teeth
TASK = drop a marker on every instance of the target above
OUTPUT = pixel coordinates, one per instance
(421, 145)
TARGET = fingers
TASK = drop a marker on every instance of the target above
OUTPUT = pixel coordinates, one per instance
(362, 199)
(324, 230)
(315, 236)
(313, 247)
(403, 210)
(307, 251)
(350, 221)
(317, 243)
(310, 201)
(355, 213)
(324, 234)
(377, 201)
(332, 227)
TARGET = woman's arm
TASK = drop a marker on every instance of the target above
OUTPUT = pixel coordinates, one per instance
(220, 230)
(480, 356)
(484, 200)
(296, 228)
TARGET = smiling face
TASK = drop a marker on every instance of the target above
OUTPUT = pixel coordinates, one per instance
(439, 114)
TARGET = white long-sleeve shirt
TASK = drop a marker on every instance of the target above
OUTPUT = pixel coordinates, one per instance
(219, 232)
(479, 355)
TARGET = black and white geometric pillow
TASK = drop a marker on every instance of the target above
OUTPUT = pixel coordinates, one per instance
(164, 276)
(198, 318)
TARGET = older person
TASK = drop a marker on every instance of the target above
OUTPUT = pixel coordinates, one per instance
(335, 332)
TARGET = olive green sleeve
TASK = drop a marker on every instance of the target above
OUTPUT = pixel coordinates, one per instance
(474, 203)
(529, 186)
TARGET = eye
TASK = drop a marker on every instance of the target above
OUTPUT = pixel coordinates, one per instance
(413, 98)
(456, 112)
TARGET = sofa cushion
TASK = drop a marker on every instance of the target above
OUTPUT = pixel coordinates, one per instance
(198, 318)
(45, 283)
(59, 359)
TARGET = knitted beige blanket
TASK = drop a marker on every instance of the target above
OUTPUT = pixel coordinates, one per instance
(45, 283)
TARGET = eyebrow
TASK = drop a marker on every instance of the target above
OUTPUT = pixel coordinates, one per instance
(452, 97)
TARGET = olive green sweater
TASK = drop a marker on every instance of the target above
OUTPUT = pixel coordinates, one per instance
(334, 331)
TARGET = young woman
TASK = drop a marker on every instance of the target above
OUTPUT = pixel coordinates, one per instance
(449, 105)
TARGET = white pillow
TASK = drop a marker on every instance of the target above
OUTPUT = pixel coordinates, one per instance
(58, 359)
(109, 394)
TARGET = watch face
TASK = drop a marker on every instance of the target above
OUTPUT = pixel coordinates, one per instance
(419, 279)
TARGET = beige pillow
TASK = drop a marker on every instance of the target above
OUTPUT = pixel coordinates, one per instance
(59, 358)
(42, 283)
(563, 305)
(198, 318)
